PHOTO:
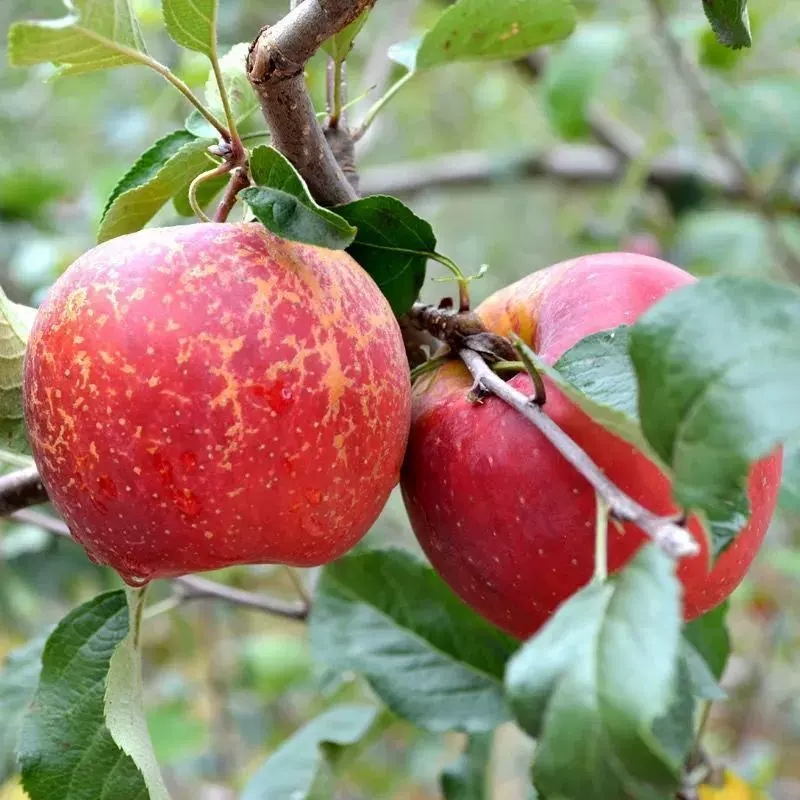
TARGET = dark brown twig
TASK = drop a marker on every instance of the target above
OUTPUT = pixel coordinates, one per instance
(20, 489)
(189, 587)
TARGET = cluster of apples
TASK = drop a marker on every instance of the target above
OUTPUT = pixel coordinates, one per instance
(209, 395)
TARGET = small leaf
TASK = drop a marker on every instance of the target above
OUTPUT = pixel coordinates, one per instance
(592, 684)
(392, 244)
(709, 636)
(429, 657)
(192, 23)
(93, 36)
(200, 127)
(15, 325)
(65, 749)
(280, 200)
(160, 174)
(729, 21)
(716, 363)
(19, 678)
(790, 486)
(405, 52)
(338, 47)
(468, 777)
(472, 30)
(242, 98)
(124, 709)
(573, 72)
(290, 772)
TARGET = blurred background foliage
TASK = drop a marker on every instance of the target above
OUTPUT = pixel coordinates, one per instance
(225, 686)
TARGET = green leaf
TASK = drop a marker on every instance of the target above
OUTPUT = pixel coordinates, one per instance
(338, 47)
(591, 685)
(192, 24)
(468, 777)
(597, 375)
(472, 30)
(160, 174)
(15, 325)
(729, 21)
(65, 749)
(94, 35)
(429, 657)
(392, 244)
(19, 678)
(242, 98)
(790, 487)
(124, 709)
(200, 127)
(716, 363)
(280, 200)
(291, 771)
(573, 73)
(698, 673)
(709, 636)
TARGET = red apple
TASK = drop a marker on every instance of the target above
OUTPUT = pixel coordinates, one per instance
(210, 395)
(501, 515)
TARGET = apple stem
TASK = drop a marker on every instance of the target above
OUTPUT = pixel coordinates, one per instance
(601, 539)
(674, 539)
(239, 180)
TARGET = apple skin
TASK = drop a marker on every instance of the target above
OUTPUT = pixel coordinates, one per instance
(209, 395)
(501, 515)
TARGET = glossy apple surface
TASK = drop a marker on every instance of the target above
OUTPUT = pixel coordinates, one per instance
(501, 515)
(210, 395)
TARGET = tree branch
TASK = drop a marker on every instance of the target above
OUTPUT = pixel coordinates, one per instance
(473, 348)
(275, 66)
(566, 163)
(20, 489)
(189, 587)
(672, 538)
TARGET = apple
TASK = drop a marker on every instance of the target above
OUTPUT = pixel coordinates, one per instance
(501, 515)
(209, 395)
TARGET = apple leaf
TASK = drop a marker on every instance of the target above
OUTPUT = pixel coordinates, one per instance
(709, 636)
(65, 750)
(242, 98)
(570, 686)
(573, 72)
(392, 244)
(15, 325)
(192, 24)
(160, 174)
(729, 21)
(716, 363)
(698, 673)
(790, 487)
(338, 47)
(430, 658)
(124, 708)
(19, 678)
(467, 778)
(300, 762)
(597, 375)
(281, 202)
(472, 30)
(92, 36)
